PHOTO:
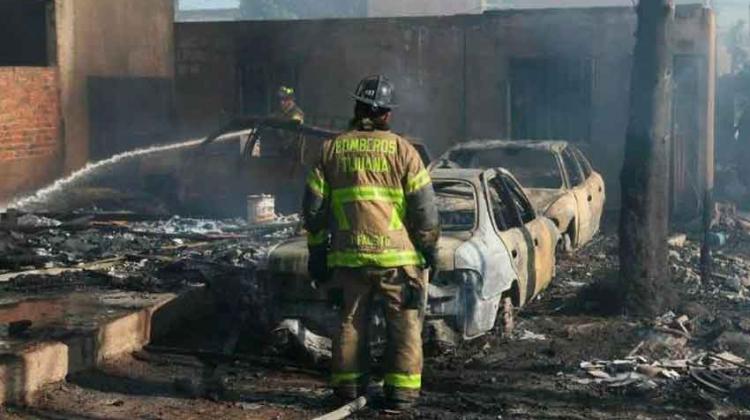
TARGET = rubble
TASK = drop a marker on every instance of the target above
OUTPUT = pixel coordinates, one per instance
(36, 221)
(736, 342)
(642, 372)
(677, 240)
(562, 345)
(702, 344)
(180, 225)
(318, 348)
(143, 255)
(522, 334)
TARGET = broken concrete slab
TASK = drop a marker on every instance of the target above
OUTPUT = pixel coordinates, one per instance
(75, 331)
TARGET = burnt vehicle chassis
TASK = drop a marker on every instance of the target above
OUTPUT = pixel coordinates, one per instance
(575, 204)
(494, 252)
(248, 156)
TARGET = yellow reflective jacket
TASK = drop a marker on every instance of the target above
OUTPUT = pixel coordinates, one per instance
(370, 201)
(293, 113)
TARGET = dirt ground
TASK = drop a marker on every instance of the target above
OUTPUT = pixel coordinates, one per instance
(535, 374)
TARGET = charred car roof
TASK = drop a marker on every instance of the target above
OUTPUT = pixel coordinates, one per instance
(467, 174)
(483, 144)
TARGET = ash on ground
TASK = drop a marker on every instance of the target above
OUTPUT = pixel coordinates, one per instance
(570, 356)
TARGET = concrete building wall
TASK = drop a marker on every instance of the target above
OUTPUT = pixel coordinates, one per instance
(216, 60)
(30, 146)
(455, 75)
(390, 8)
(116, 68)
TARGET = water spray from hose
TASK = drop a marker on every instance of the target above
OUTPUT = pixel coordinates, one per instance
(91, 169)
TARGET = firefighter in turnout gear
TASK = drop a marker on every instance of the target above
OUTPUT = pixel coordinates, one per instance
(288, 108)
(372, 231)
(279, 142)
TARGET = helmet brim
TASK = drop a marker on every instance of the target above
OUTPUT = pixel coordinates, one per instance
(370, 102)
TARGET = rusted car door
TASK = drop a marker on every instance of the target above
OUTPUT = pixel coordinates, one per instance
(543, 239)
(584, 199)
(511, 232)
(530, 243)
(595, 187)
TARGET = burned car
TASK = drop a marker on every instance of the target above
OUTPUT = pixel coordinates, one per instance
(254, 155)
(251, 155)
(556, 175)
(495, 251)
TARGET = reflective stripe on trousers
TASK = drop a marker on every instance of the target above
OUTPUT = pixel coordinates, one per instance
(403, 380)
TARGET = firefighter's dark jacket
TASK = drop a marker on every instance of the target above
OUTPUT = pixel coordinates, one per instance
(370, 202)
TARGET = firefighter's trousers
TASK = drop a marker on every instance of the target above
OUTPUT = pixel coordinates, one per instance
(403, 293)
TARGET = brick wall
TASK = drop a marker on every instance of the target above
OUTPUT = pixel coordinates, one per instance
(30, 144)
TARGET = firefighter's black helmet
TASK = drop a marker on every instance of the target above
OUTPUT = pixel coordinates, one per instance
(376, 91)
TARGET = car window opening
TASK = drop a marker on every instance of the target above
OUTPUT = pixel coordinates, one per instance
(572, 168)
(457, 205)
(523, 207)
(585, 164)
(532, 167)
(504, 211)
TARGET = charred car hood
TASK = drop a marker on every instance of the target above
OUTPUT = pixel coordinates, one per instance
(542, 198)
(291, 256)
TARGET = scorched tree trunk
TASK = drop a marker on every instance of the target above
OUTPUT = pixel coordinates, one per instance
(644, 218)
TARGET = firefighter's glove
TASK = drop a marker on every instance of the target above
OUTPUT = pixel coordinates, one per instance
(430, 261)
(317, 266)
(430, 258)
(413, 297)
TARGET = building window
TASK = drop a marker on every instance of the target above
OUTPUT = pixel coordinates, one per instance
(27, 33)
(551, 98)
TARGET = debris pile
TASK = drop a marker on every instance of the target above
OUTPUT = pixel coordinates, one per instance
(698, 351)
(715, 372)
(39, 253)
(730, 241)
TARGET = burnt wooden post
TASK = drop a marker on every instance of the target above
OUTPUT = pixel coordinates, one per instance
(644, 218)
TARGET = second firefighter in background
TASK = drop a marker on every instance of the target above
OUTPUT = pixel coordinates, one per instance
(369, 209)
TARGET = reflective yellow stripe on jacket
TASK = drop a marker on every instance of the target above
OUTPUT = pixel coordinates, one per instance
(394, 196)
(383, 259)
(317, 238)
(418, 181)
(317, 183)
